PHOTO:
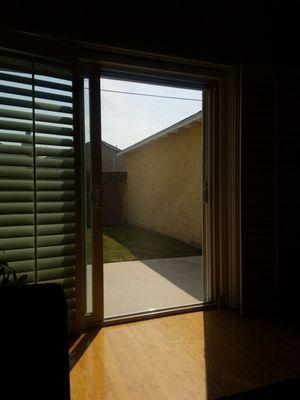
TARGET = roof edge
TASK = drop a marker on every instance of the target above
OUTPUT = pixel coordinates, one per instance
(180, 124)
(111, 146)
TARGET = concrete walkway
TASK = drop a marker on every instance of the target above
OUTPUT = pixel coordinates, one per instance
(135, 286)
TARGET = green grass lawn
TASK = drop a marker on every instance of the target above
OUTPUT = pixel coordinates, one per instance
(126, 242)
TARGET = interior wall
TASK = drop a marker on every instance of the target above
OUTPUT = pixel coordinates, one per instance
(289, 191)
(260, 284)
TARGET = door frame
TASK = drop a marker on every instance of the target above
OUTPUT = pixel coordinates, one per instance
(221, 114)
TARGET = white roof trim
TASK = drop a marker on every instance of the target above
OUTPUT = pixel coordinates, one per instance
(110, 146)
(173, 128)
(107, 145)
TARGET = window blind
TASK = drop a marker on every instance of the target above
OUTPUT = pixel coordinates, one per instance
(37, 189)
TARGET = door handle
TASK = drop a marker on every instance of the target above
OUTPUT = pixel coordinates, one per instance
(205, 192)
(97, 197)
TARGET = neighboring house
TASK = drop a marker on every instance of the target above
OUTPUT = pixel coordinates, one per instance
(114, 185)
(109, 154)
(164, 181)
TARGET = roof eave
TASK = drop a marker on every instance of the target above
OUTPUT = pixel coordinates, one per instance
(171, 129)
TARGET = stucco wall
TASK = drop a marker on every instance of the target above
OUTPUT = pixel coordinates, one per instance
(164, 185)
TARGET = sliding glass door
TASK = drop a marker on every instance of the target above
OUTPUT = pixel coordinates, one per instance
(143, 173)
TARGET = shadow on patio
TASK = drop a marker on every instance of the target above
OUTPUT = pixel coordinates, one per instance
(144, 270)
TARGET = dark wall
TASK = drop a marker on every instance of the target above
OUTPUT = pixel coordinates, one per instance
(289, 191)
(259, 188)
(271, 190)
(208, 30)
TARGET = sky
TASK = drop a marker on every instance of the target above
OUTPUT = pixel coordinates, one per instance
(127, 118)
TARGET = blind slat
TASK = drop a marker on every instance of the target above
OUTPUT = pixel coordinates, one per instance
(17, 160)
(16, 137)
(55, 229)
(17, 208)
(54, 141)
(13, 149)
(56, 196)
(55, 240)
(17, 243)
(53, 107)
(16, 219)
(54, 151)
(56, 273)
(24, 266)
(4, 113)
(26, 126)
(47, 173)
(38, 105)
(55, 218)
(57, 119)
(55, 162)
(28, 139)
(54, 185)
(18, 185)
(16, 231)
(55, 251)
(47, 207)
(56, 262)
(17, 254)
(38, 82)
(38, 94)
(16, 172)
(16, 196)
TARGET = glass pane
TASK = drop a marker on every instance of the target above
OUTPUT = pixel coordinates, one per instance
(87, 198)
(152, 197)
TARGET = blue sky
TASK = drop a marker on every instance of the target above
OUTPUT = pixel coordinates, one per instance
(127, 119)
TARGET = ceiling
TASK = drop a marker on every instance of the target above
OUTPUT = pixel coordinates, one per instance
(212, 31)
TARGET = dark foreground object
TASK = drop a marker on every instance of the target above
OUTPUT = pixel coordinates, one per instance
(34, 360)
(287, 389)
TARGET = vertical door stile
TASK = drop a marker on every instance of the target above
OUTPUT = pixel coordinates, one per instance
(34, 177)
(97, 256)
(78, 127)
(205, 188)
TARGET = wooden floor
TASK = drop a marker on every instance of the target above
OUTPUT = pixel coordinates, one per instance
(191, 356)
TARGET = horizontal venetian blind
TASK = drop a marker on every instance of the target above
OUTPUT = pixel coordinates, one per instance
(37, 189)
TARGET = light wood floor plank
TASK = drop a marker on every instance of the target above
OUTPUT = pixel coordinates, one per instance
(190, 356)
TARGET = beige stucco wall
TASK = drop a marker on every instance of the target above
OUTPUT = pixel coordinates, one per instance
(164, 185)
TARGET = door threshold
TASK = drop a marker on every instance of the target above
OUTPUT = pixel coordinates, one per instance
(145, 315)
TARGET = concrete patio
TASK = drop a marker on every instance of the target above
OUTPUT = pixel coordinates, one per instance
(136, 286)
